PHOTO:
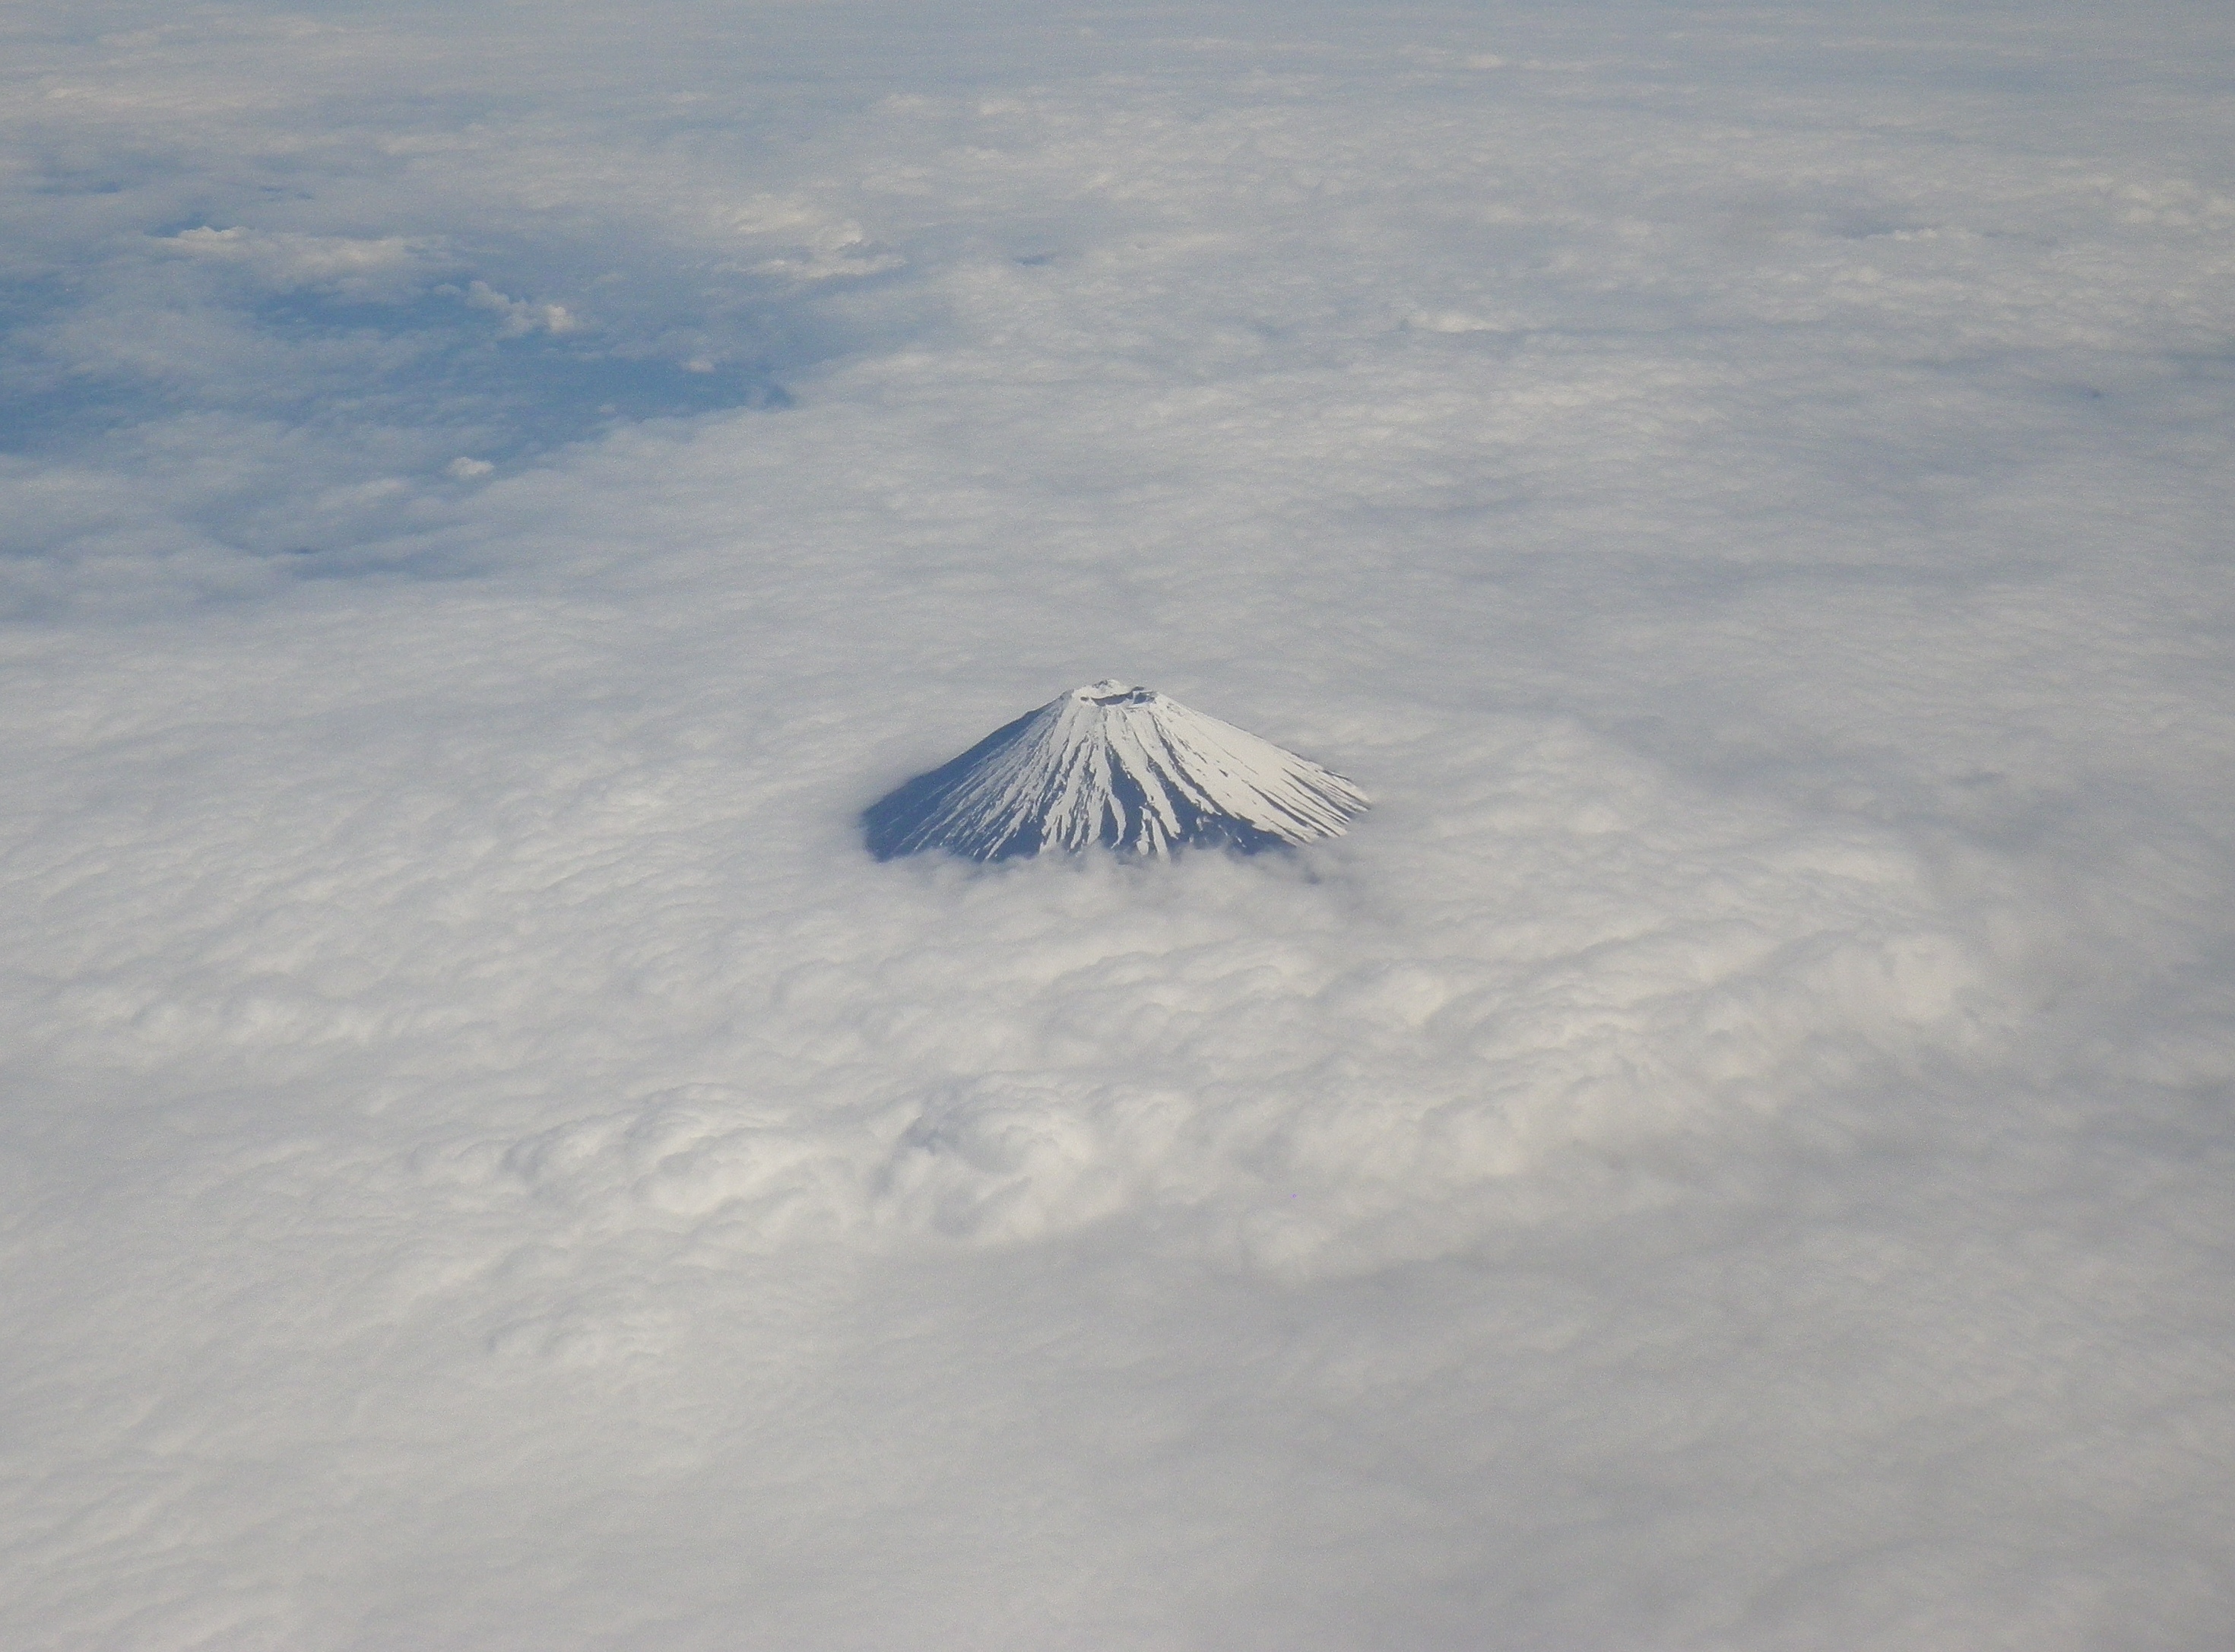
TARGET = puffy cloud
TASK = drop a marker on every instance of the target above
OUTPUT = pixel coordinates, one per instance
(1729, 1153)
(520, 314)
(814, 247)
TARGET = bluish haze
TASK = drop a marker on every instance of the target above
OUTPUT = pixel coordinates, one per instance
(1733, 1153)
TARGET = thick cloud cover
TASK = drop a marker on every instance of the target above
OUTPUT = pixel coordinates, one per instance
(1734, 1152)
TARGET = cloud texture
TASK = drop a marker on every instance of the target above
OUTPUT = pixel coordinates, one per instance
(1733, 1152)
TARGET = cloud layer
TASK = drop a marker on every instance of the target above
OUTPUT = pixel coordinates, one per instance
(1731, 1153)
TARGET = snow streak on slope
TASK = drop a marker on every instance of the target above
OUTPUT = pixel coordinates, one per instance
(1124, 767)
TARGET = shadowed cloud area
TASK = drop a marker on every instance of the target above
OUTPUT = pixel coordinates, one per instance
(1731, 1152)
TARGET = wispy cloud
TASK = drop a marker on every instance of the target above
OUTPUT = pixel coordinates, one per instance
(386, 268)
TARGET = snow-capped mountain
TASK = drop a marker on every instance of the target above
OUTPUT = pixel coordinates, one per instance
(1112, 764)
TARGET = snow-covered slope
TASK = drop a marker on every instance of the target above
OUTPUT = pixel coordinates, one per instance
(1124, 767)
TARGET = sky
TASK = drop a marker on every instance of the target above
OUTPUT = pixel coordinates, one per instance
(1732, 1153)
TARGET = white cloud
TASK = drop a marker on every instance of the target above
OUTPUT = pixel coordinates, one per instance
(1454, 321)
(1728, 1154)
(521, 316)
(814, 245)
(379, 267)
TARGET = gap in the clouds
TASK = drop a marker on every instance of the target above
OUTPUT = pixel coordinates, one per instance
(428, 366)
(304, 433)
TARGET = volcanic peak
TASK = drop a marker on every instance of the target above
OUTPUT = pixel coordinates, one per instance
(1118, 766)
